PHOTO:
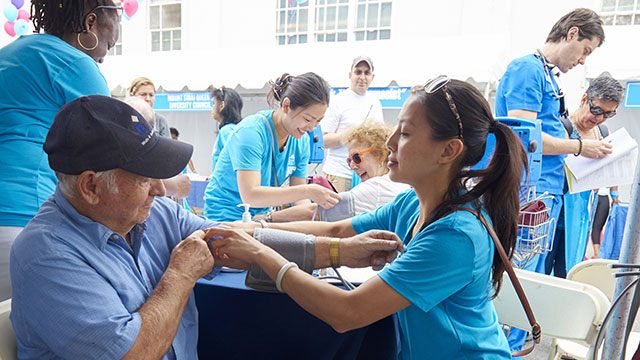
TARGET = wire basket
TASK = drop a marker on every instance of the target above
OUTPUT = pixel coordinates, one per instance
(534, 229)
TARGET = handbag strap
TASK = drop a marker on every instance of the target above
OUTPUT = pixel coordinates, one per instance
(535, 327)
(273, 154)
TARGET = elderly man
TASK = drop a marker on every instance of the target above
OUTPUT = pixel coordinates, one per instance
(102, 271)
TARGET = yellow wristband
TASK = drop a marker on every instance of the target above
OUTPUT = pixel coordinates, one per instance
(334, 252)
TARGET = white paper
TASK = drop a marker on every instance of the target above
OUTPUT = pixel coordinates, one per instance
(615, 169)
(355, 276)
(622, 144)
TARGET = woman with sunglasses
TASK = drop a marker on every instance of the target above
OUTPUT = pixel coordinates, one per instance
(368, 158)
(598, 103)
(441, 286)
(268, 150)
(227, 111)
(40, 73)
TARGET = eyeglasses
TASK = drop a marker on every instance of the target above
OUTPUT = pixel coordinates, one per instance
(597, 110)
(432, 86)
(118, 9)
(356, 157)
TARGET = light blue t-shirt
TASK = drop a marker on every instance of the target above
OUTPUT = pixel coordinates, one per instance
(39, 73)
(524, 86)
(221, 140)
(250, 147)
(445, 272)
(78, 286)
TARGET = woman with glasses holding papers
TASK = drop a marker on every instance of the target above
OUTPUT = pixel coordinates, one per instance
(441, 286)
(39, 74)
(597, 104)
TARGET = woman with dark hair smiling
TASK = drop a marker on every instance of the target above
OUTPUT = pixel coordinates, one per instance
(39, 74)
(441, 286)
(269, 149)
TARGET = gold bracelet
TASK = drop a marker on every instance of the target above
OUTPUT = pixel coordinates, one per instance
(334, 252)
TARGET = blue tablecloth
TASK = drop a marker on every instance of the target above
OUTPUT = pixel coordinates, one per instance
(196, 195)
(238, 323)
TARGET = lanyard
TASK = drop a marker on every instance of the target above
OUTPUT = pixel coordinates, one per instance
(548, 68)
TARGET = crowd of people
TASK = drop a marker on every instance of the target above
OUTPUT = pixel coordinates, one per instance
(86, 227)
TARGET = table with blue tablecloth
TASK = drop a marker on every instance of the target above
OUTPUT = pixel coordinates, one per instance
(239, 323)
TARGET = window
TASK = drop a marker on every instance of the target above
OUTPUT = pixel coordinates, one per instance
(165, 23)
(117, 48)
(373, 20)
(620, 12)
(331, 20)
(302, 21)
(292, 21)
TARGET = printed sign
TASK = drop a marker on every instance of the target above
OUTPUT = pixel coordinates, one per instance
(632, 95)
(392, 97)
(183, 101)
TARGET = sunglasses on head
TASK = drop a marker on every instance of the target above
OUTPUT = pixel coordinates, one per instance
(118, 9)
(597, 110)
(432, 86)
(356, 157)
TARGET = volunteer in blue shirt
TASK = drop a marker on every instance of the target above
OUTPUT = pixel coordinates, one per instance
(272, 140)
(529, 89)
(40, 73)
(227, 111)
(441, 286)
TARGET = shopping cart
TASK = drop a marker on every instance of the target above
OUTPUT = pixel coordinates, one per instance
(535, 229)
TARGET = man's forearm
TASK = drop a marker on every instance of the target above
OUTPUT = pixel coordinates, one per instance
(332, 140)
(556, 146)
(161, 315)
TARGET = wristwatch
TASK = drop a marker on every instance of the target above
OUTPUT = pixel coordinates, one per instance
(263, 223)
(268, 216)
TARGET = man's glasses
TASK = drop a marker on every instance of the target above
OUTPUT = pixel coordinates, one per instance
(356, 157)
(432, 86)
(597, 110)
(118, 9)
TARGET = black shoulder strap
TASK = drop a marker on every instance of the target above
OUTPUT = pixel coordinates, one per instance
(604, 130)
(568, 126)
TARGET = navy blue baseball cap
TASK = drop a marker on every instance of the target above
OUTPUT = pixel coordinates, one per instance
(101, 133)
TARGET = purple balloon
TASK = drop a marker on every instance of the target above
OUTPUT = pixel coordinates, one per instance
(17, 3)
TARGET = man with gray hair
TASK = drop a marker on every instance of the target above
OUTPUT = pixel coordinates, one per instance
(597, 104)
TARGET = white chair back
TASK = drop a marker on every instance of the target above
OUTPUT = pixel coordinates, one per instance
(563, 308)
(7, 336)
(596, 272)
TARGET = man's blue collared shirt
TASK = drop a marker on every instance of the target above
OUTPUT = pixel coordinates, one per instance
(77, 286)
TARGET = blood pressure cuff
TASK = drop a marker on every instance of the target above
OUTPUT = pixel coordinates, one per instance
(296, 247)
(344, 209)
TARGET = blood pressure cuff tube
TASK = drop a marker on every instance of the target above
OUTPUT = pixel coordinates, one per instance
(344, 209)
(296, 247)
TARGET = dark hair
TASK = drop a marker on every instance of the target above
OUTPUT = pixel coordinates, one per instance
(587, 21)
(58, 17)
(232, 112)
(605, 88)
(302, 90)
(174, 132)
(497, 187)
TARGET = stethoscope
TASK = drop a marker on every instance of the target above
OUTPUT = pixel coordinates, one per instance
(548, 69)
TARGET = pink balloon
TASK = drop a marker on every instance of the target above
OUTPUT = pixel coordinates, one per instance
(23, 14)
(8, 27)
(130, 7)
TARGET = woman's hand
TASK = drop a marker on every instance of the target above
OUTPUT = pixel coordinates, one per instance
(374, 247)
(233, 247)
(323, 196)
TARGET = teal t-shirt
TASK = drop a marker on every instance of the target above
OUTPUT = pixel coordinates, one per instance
(223, 136)
(39, 73)
(445, 272)
(250, 147)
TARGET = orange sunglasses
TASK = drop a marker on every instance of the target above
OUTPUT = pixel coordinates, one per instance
(356, 157)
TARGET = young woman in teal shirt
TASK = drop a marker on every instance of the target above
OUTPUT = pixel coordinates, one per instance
(441, 286)
(269, 148)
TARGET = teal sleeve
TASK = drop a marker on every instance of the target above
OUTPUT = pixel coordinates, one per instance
(382, 218)
(523, 87)
(246, 149)
(81, 78)
(302, 157)
(437, 263)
